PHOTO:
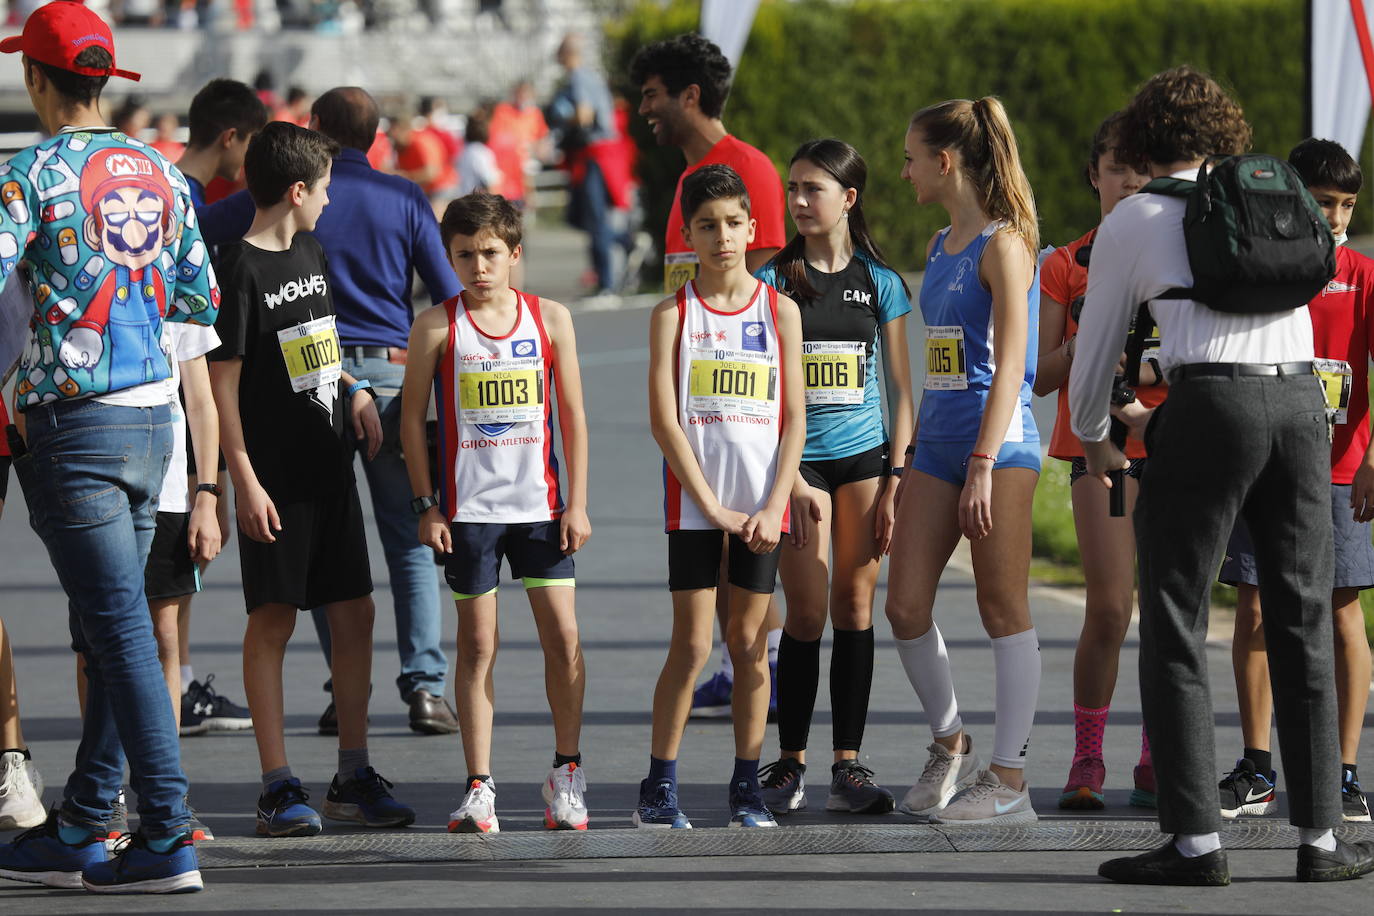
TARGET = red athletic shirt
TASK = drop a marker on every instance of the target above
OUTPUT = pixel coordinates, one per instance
(765, 199)
(1063, 279)
(1343, 329)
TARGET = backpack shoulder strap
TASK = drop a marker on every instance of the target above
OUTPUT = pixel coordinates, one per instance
(1170, 187)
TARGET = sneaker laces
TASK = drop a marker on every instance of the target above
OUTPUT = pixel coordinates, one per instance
(373, 786)
(208, 693)
(857, 774)
(937, 765)
(11, 782)
(779, 773)
(569, 782)
(746, 796)
(665, 796)
(291, 791)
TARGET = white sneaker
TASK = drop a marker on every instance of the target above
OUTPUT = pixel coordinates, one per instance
(946, 774)
(563, 794)
(21, 792)
(477, 813)
(990, 801)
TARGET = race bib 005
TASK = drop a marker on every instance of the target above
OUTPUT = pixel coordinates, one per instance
(502, 390)
(1335, 378)
(833, 371)
(311, 352)
(731, 381)
(679, 268)
(946, 368)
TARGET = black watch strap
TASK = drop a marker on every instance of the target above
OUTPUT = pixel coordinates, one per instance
(422, 504)
(210, 488)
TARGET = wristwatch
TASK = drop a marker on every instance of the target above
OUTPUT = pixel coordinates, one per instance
(422, 504)
(895, 471)
(210, 488)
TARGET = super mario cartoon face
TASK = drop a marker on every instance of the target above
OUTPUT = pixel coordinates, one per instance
(129, 203)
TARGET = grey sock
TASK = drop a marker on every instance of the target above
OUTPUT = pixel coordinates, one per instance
(276, 775)
(350, 762)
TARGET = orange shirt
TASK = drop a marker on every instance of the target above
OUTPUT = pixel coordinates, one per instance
(1063, 279)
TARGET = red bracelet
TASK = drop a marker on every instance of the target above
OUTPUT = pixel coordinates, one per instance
(992, 458)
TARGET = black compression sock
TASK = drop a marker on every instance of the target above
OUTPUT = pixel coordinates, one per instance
(1263, 761)
(563, 759)
(851, 681)
(799, 673)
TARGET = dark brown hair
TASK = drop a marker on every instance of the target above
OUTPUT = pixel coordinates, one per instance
(282, 154)
(1180, 115)
(477, 211)
(712, 182)
(78, 87)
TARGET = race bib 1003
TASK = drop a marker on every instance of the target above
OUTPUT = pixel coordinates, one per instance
(732, 381)
(311, 352)
(502, 390)
(946, 369)
(679, 268)
(833, 371)
(1336, 379)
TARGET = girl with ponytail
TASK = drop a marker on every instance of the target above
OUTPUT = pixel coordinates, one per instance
(975, 457)
(843, 502)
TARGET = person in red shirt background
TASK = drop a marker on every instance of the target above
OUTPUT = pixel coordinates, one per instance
(517, 127)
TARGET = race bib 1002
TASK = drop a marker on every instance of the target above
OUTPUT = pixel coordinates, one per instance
(502, 390)
(732, 381)
(833, 371)
(311, 352)
(1336, 379)
(946, 369)
(679, 268)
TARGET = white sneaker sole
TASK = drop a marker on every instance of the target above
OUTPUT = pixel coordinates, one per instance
(953, 790)
(640, 825)
(185, 883)
(469, 824)
(229, 724)
(1256, 809)
(70, 880)
(35, 816)
(1010, 819)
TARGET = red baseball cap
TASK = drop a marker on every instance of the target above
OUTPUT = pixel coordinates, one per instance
(59, 31)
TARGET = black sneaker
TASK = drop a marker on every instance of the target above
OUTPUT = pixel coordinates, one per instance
(783, 785)
(329, 720)
(1166, 865)
(366, 799)
(852, 789)
(1353, 804)
(217, 712)
(1247, 793)
(198, 831)
(1349, 860)
(117, 826)
(193, 714)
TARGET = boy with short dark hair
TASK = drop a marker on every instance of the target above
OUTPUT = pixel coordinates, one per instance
(726, 408)
(1343, 338)
(495, 357)
(301, 539)
(224, 116)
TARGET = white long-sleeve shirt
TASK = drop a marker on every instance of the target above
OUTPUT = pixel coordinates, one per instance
(1139, 253)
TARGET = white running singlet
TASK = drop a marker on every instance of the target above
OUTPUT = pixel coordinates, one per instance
(729, 401)
(496, 456)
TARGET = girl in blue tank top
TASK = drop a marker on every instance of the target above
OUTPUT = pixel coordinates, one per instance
(975, 460)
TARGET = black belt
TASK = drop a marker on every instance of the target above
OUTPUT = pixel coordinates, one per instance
(1235, 370)
(360, 352)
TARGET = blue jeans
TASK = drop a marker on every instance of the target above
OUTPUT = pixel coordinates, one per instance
(592, 213)
(414, 578)
(91, 477)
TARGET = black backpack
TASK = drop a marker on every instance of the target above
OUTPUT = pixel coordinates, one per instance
(1257, 241)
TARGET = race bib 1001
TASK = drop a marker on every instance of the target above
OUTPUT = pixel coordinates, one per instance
(502, 390)
(679, 268)
(946, 369)
(1336, 379)
(311, 352)
(732, 381)
(833, 371)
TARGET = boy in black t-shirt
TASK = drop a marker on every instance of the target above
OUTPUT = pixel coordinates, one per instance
(301, 539)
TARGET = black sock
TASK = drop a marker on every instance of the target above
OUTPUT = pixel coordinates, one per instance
(1263, 761)
(563, 759)
(1349, 773)
(479, 777)
(17, 750)
(851, 681)
(799, 673)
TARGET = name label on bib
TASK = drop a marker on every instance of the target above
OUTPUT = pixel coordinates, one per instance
(502, 390)
(311, 352)
(1336, 378)
(731, 381)
(833, 371)
(946, 368)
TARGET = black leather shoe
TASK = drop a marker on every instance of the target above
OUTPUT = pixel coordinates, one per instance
(329, 721)
(431, 715)
(1166, 865)
(1350, 860)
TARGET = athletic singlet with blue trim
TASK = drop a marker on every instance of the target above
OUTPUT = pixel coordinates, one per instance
(961, 352)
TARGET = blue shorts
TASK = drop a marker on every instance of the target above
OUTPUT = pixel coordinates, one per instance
(531, 549)
(949, 460)
(1354, 555)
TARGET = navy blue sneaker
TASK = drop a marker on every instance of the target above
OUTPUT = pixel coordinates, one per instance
(39, 856)
(282, 810)
(658, 806)
(712, 699)
(136, 869)
(365, 800)
(747, 808)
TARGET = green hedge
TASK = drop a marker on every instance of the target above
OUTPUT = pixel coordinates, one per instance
(857, 70)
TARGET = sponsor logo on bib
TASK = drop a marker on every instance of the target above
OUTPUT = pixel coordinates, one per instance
(754, 336)
(522, 348)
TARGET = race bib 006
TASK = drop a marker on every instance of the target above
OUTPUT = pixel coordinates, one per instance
(833, 371)
(311, 352)
(946, 368)
(1335, 377)
(502, 390)
(731, 381)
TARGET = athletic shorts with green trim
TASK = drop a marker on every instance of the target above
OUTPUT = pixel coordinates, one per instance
(530, 548)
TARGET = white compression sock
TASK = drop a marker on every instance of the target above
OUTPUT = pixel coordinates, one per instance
(1017, 661)
(727, 667)
(1320, 837)
(1192, 845)
(187, 676)
(927, 667)
(774, 637)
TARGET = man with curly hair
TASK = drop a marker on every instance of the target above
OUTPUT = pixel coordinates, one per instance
(1245, 382)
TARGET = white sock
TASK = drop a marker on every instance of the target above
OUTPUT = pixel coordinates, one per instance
(927, 667)
(1192, 845)
(727, 667)
(1322, 838)
(1017, 661)
(187, 676)
(774, 637)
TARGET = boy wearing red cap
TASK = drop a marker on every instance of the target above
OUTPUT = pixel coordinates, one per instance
(104, 229)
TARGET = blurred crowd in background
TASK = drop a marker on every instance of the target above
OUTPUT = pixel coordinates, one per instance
(328, 16)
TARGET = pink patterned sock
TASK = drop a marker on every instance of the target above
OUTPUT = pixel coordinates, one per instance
(1089, 725)
(1145, 759)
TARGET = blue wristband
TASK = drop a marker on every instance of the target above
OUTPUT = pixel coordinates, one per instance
(358, 385)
